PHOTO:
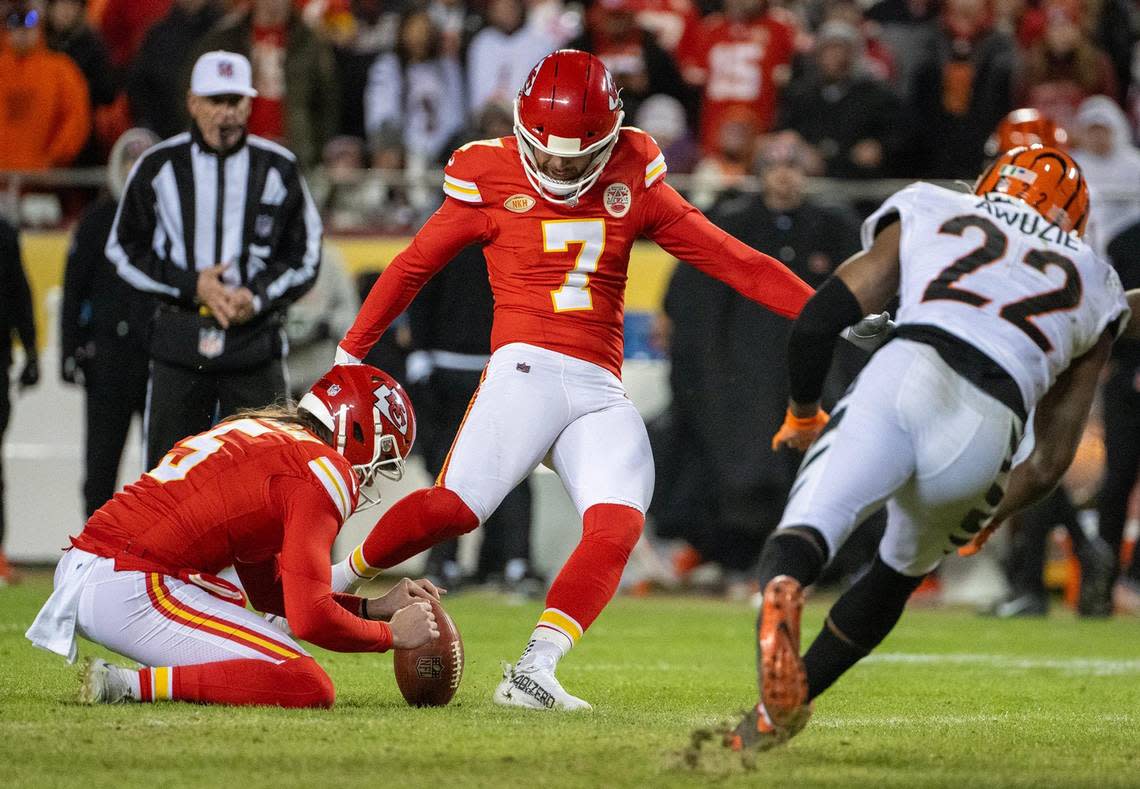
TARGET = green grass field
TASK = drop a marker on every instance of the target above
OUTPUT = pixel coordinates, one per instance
(950, 700)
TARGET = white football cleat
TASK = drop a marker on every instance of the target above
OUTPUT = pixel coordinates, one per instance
(535, 688)
(102, 683)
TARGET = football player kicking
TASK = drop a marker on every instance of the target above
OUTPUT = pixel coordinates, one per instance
(1004, 311)
(266, 491)
(558, 206)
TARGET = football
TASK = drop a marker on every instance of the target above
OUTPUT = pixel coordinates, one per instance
(428, 676)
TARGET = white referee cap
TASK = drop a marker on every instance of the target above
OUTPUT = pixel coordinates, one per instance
(219, 73)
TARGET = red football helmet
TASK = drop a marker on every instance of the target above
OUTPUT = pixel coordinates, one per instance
(568, 107)
(371, 420)
(1026, 126)
(1045, 178)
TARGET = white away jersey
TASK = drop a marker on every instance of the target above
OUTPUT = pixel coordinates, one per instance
(998, 275)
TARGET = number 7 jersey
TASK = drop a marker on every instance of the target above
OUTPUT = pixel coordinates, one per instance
(558, 272)
(999, 276)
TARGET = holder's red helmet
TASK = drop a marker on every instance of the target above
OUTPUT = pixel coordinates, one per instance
(1045, 178)
(371, 420)
(568, 107)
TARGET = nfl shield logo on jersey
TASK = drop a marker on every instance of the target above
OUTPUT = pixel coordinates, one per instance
(617, 199)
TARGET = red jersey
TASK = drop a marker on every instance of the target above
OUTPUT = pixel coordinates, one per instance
(741, 67)
(667, 20)
(558, 272)
(266, 497)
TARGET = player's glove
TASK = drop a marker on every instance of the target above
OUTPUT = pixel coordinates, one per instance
(30, 375)
(799, 433)
(869, 333)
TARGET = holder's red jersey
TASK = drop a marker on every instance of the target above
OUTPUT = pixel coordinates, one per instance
(264, 496)
(558, 272)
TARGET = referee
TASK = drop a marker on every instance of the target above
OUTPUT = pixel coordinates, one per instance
(218, 223)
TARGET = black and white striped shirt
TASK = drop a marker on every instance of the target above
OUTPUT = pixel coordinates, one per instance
(186, 208)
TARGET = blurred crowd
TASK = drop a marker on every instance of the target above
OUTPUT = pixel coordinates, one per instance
(908, 88)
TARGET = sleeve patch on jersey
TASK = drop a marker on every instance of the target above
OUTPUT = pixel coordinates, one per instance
(466, 191)
(334, 485)
(655, 170)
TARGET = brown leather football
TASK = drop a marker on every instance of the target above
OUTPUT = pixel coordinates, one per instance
(428, 676)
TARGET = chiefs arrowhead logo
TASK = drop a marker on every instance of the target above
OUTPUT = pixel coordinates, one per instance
(392, 406)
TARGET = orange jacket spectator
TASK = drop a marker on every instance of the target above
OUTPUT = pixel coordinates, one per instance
(45, 113)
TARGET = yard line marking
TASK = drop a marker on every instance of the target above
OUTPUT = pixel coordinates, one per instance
(1073, 665)
(1101, 667)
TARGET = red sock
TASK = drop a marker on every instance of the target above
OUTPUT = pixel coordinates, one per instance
(414, 524)
(591, 575)
(294, 683)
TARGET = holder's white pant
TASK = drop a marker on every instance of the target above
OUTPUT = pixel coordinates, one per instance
(914, 434)
(535, 404)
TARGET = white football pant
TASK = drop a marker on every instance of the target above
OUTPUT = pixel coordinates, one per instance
(914, 434)
(534, 405)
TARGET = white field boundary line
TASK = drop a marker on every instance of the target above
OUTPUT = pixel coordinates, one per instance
(951, 721)
(1102, 667)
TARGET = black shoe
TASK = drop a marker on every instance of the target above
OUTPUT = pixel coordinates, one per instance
(1027, 604)
(1098, 567)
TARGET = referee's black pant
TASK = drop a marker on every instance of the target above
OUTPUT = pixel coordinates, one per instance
(115, 382)
(181, 402)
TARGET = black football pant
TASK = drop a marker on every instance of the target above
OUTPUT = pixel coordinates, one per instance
(115, 380)
(1122, 457)
(441, 404)
(181, 402)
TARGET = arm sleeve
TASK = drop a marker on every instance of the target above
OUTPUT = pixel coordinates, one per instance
(684, 232)
(24, 319)
(291, 269)
(130, 245)
(452, 227)
(82, 258)
(310, 523)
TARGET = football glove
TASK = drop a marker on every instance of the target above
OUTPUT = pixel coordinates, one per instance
(869, 333)
(799, 433)
(975, 545)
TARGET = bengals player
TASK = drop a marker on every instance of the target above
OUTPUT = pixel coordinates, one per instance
(267, 492)
(558, 207)
(1005, 315)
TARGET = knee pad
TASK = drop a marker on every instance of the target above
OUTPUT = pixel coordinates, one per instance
(312, 680)
(616, 524)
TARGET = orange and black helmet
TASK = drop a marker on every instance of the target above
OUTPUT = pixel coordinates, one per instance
(1026, 126)
(1044, 177)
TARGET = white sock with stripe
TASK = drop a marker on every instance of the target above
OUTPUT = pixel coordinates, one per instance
(352, 571)
(555, 635)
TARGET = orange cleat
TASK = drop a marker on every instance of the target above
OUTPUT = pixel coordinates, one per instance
(783, 679)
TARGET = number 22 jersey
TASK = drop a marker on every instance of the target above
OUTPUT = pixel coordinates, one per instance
(558, 272)
(999, 276)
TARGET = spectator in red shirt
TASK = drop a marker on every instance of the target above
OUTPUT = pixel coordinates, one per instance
(293, 73)
(1064, 67)
(740, 60)
(123, 25)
